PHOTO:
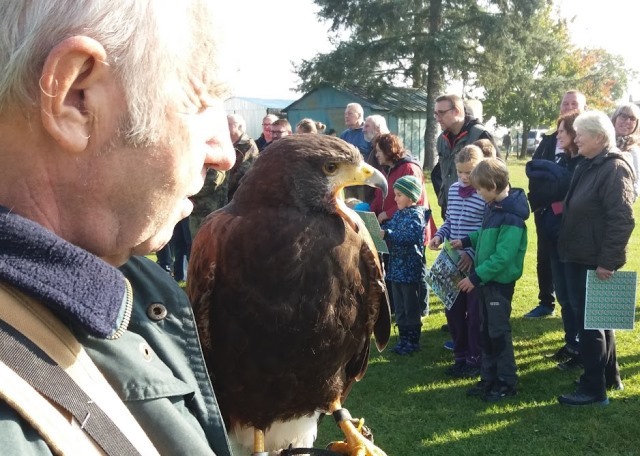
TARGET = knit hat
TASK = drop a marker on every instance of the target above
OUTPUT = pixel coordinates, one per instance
(410, 186)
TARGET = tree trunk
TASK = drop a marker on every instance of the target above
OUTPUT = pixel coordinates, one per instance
(435, 84)
(523, 147)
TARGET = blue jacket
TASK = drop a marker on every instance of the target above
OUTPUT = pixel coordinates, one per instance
(355, 136)
(404, 234)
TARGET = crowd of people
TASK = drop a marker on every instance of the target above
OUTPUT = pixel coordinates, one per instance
(103, 159)
(582, 186)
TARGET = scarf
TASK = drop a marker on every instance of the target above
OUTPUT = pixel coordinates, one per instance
(466, 192)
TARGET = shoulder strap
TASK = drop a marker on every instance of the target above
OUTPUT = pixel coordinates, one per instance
(45, 360)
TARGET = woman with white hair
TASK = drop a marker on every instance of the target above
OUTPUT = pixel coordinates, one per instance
(596, 225)
(625, 121)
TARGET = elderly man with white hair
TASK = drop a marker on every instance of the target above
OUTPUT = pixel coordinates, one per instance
(246, 151)
(375, 125)
(110, 116)
(354, 134)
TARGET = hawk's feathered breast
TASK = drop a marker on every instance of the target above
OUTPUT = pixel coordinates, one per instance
(286, 292)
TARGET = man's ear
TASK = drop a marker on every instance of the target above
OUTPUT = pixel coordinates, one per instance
(69, 86)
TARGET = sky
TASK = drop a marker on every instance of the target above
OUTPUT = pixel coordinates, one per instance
(263, 38)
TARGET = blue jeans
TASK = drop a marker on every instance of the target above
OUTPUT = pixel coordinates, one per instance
(562, 295)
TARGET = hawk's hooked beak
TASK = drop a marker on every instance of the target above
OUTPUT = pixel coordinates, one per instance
(360, 174)
(349, 175)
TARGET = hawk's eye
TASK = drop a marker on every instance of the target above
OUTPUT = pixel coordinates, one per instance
(330, 168)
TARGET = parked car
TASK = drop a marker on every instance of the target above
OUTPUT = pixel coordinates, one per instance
(533, 140)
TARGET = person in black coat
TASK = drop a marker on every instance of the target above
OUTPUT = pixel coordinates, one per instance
(549, 150)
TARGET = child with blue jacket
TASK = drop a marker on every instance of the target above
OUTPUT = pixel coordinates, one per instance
(500, 246)
(405, 236)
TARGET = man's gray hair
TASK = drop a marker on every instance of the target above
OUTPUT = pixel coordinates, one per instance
(597, 123)
(239, 121)
(355, 107)
(380, 122)
(152, 47)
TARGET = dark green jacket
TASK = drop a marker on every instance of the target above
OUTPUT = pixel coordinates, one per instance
(501, 243)
(156, 366)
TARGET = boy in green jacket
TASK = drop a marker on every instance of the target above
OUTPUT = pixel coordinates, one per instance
(500, 245)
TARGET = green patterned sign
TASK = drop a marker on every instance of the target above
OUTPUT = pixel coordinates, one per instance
(610, 304)
(371, 222)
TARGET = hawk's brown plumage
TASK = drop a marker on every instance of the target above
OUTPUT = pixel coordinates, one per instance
(286, 292)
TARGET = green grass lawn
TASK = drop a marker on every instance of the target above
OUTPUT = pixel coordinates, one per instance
(413, 408)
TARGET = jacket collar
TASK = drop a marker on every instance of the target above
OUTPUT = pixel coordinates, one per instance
(73, 283)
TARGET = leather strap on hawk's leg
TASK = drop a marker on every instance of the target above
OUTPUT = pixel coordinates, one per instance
(342, 414)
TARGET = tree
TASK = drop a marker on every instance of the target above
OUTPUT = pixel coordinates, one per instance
(530, 62)
(414, 43)
(515, 51)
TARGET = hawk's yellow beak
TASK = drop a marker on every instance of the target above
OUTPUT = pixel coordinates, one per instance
(360, 174)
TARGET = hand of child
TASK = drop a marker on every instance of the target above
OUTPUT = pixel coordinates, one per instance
(434, 243)
(382, 216)
(456, 244)
(465, 262)
(382, 233)
(465, 285)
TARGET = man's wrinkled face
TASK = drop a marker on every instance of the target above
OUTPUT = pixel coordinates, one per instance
(370, 130)
(158, 180)
(234, 132)
(572, 102)
(351, 118)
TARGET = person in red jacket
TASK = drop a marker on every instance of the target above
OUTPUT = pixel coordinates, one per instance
(396, 162)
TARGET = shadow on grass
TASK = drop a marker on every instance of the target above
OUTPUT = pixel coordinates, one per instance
(414, 408)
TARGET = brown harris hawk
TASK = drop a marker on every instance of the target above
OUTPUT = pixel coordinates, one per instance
(287, 290)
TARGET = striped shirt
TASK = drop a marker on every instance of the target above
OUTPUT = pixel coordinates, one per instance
(464, 216)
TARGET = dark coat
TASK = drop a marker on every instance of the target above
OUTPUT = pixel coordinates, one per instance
(546, 150)
(598, 213)
(449, 144)
(548, 182)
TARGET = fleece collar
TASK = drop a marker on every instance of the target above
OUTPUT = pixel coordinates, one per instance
(73, 283)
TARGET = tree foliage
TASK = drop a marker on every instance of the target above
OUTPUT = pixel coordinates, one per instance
(530, 62)
(514, 51)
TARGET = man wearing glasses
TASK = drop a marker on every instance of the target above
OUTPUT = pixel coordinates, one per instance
(279, 129)
(458, 130)
(265, 137)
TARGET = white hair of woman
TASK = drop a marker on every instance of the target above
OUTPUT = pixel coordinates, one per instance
(597, 123)
(159, 51)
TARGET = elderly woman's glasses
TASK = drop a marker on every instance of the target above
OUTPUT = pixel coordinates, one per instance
(628, 117)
